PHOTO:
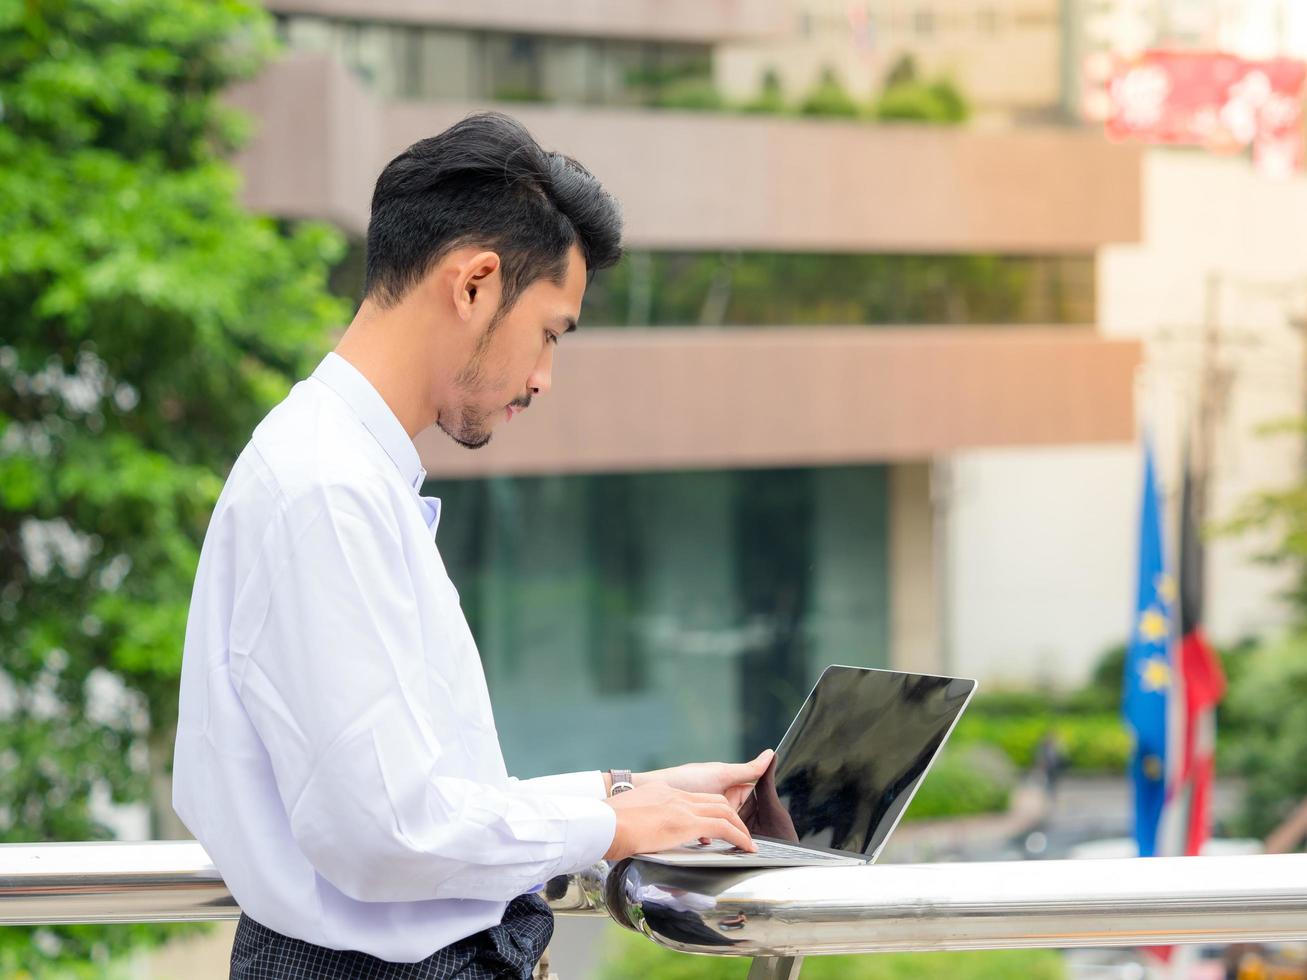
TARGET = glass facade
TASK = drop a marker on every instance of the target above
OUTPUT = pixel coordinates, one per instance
(788, 289)
(760, 289)
(647, 619)
(413, 61)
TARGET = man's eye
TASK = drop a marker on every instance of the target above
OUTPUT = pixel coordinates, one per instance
(553, 337)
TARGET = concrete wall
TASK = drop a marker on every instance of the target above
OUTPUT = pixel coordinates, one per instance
(713, 180)
(634, 400)
(916, 642)
(667, 20)
(1005, 55)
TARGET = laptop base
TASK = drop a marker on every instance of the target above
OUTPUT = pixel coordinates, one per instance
(770, 854)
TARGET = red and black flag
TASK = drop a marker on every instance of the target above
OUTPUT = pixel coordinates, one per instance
(1202, 679)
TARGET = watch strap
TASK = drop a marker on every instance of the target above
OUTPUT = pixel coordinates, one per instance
(621, 781)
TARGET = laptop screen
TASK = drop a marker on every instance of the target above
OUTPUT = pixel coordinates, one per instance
(853, 758)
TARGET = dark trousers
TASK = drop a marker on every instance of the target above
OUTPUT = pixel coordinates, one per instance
(508, 951)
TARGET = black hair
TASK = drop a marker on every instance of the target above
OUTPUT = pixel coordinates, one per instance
(485, 181)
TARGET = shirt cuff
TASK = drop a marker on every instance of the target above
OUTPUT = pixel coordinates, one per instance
(587, 784)
(591, 826)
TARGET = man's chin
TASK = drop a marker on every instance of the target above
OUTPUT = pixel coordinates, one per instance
(467, 442)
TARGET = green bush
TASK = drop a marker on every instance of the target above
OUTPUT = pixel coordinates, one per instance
(1267, 717)
(829, 98)
(965, 780)
(632, 957)
(770, 98)
(699, 95)
(1096, 742)
(935, 102)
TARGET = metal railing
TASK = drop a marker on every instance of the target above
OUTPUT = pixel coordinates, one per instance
(775, 915)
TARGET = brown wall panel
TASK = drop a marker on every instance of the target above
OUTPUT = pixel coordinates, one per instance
(668, 399)
(712, 180)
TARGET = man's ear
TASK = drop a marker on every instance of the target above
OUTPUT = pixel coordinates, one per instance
(476, 285)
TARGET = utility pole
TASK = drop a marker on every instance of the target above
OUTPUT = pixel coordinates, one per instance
(1214, 381)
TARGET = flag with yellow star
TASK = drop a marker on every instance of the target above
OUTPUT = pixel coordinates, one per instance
(1148, 667)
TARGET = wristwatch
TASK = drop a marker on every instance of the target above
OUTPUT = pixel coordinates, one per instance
(621, 781)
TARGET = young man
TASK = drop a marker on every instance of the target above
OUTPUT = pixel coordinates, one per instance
(336, 753)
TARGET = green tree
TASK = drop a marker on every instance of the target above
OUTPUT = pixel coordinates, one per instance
(902, 72)
(1279, 516)
(770, 99)
(1264, 731)
(939, 101)
(1264, 708)
(149, 321)
(907, 97)
(829, 98)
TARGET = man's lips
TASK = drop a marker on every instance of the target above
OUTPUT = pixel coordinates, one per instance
(516, 407)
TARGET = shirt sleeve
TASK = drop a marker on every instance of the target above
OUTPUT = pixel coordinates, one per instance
(329, 663)
(587, 784)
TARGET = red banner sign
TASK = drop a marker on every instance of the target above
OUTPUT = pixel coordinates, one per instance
(1214, 100)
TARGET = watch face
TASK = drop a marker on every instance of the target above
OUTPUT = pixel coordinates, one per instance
(621, 788)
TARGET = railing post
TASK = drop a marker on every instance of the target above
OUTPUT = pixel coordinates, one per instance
(775, 968)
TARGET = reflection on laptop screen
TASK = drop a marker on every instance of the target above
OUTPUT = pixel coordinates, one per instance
(851, 761)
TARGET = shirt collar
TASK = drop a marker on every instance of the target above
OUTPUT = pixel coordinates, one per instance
(357, 392)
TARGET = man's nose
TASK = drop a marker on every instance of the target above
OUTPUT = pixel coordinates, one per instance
(541, 377)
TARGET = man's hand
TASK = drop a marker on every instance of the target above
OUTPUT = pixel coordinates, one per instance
(655, 817)
(730, 779)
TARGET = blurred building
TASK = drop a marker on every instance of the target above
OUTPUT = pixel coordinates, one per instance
(1099, 31)
(1005, 55)
(746, 468)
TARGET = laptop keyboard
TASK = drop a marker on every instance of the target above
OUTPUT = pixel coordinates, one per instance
(769, 849)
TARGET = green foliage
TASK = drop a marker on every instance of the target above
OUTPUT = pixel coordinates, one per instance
(149, 323)
(1266, 713)
(939, 101)
(905, 98)
(1085, 724)
(1090, 742)
(1281, 514)
(799, 289)
(964, 780)
(770, 99)
(1263, 720)
(632, 957)
(829, 98)
(902, 72)
(696, 94)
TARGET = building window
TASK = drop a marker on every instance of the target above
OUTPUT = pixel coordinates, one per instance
(513, 68)
(682, 615)
(923, 21)
(759, 289)
(429, 63)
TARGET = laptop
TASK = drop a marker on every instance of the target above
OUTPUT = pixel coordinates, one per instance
(844, 773)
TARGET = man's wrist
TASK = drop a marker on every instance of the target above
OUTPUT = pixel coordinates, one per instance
(619, 781)
(637, 779)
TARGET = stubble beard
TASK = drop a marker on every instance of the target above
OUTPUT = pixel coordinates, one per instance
(471, 431)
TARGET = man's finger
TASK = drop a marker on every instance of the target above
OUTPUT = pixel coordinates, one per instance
(748, 772)
(706, 798)
(736, 795)
(727, 831)
(726, 812)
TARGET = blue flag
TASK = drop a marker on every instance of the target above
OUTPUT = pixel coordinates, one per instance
(1148, 667)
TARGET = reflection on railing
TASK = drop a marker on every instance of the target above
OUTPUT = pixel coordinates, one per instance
(776, 915)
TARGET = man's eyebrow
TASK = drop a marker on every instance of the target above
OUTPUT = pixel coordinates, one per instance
(570, 321)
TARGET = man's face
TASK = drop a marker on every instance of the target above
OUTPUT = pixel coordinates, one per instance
(512, 361)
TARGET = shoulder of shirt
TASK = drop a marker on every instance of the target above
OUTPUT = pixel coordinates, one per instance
(311, 453)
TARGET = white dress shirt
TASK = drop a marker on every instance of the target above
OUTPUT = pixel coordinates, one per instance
(336, 753)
